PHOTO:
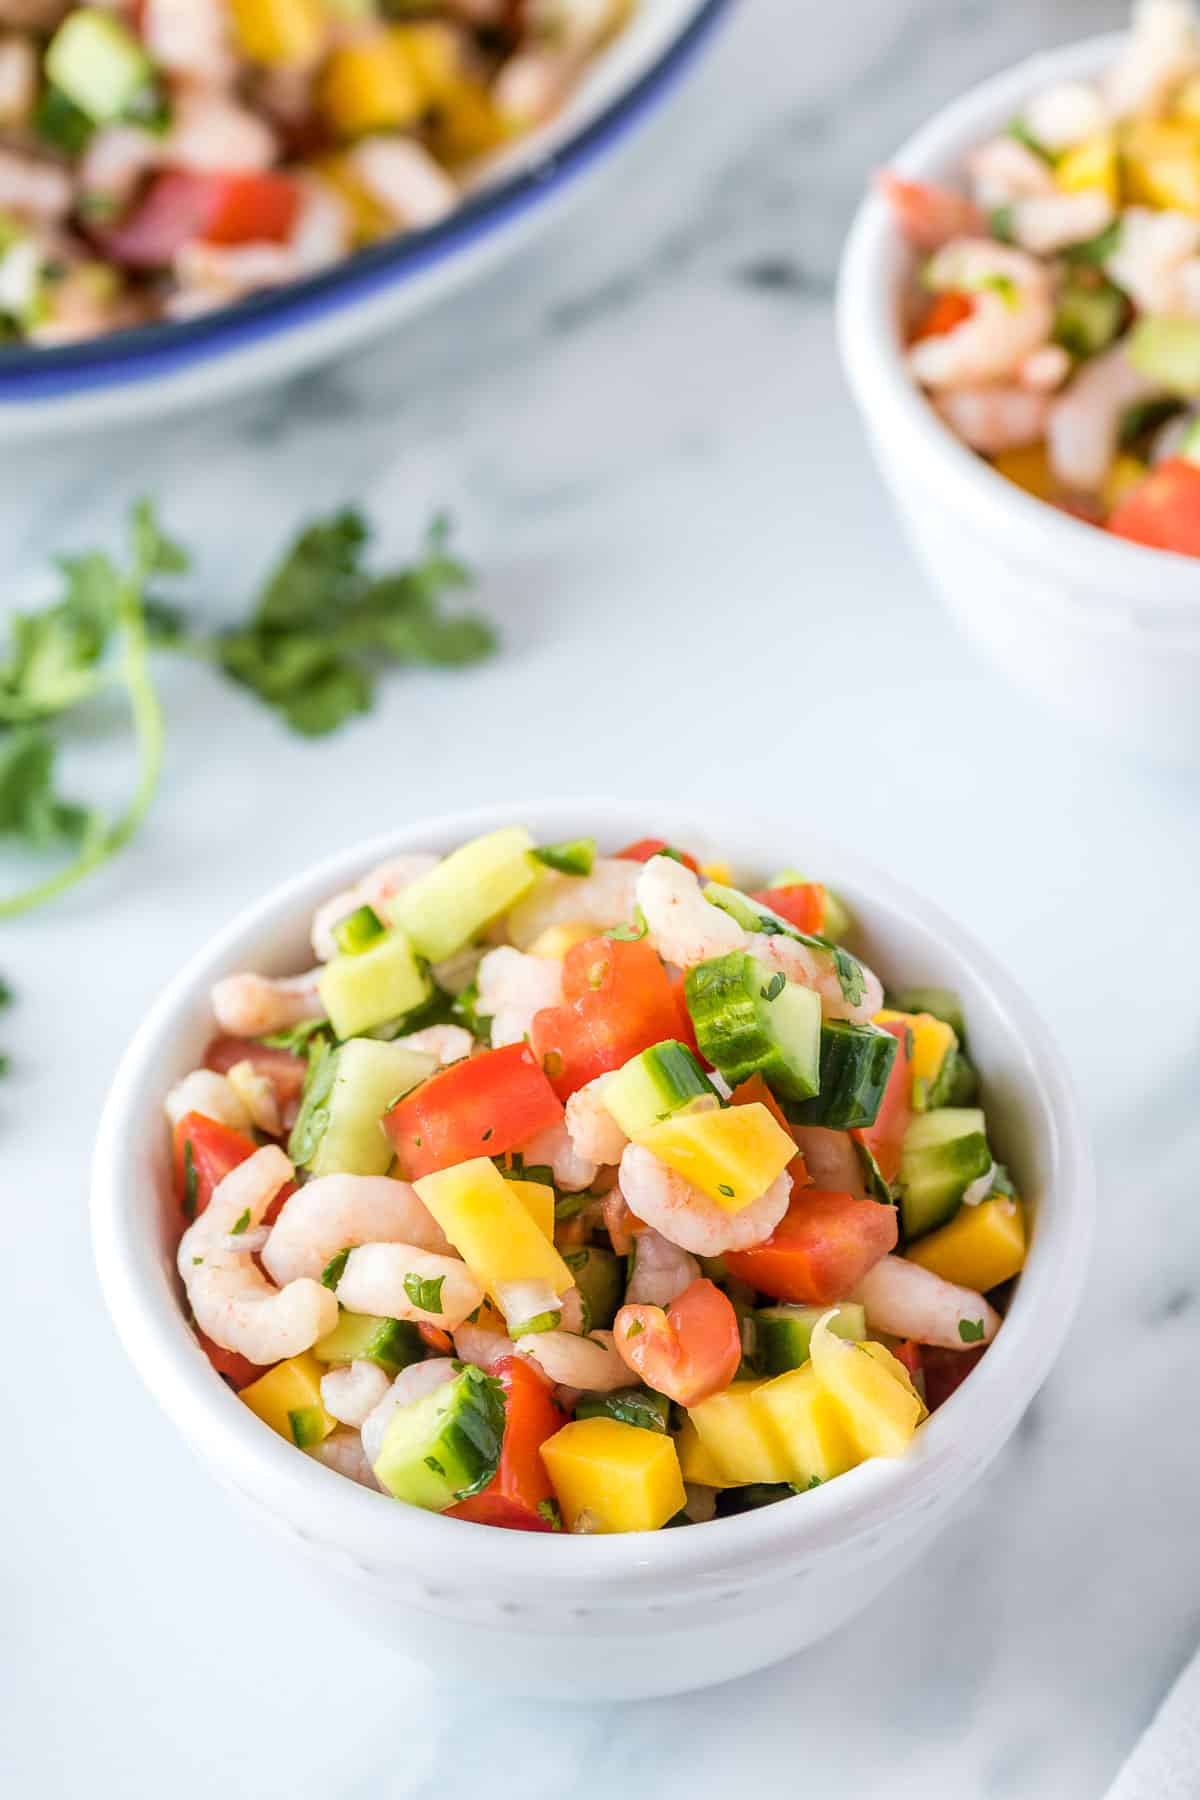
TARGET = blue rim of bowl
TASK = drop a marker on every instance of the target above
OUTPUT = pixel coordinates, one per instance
(152, 350)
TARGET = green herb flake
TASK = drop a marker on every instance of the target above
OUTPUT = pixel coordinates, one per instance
(629, 934)
(425, 1293)
(239, 1225)
(196, 1261)
(335, 1268)
(724, 1188)
(489, 1133)
(774, 987)
(431, 1462)
(970, 1330)
(550, 1511)
(574, 858)
(191, 1181)
(634, 1328)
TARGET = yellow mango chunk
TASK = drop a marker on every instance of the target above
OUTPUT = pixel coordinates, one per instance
(556, 940)
(1092, 164)
(932, 1042)
(614, 1477)
(735, 1438)
(1187, 101)
(1124, 474)
(538, 1201)
(284, 34)
(491, 1227)
(720, 871)
(288, 1399)
(368, 219)
(1161, 163)
(981, 1246)
(879, 1406)
(732, 1155)
(369, 85)
(1028, 469)
(696, 1463)
(810, 1423)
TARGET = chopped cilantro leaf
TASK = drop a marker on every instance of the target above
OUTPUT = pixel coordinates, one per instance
(723, 1187)
(550, 1511)
(970, 1330)
(191, 1181)
(775, 986)
(335, 1268)
(431, 1462)
(240, 1223)
(425, 1293)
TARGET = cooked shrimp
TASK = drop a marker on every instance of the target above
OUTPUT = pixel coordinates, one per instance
(594, 1133)
(338, 1212)
(926, 215)
(233, 1302)
(1162, 49)
(257, 1093)
(483, 1348)
(375, 889)
(18, 80)
(190, 38)
(410, 1384)
(817, 969)
(353, 1391)
(249, 1005)
(554, 1145)
(1084, 422)
(402, 176)
(590, 1363)
(204, 1091)
(209, 131)
(382, 1278)
(995, 418)
(620, 1222)
(1012, 315)
(1045, 370)
(512, 988)
(682, 925)
(116, 159)
(604, 898)
(457, 973)
(34, 189)
(832, 1159)
(661, 1270)
(1003, 170)
(449, 1043)
(533, 84)
(911, 1302)
(342, 1451)
(1152, 259)
(1048, 223)
(687, 1217)
(1066, 114)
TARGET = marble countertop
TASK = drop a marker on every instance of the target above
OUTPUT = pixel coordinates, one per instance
(643, 433)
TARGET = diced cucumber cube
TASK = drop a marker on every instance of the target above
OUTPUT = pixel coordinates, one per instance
(98, 63)
(944, 1152)
(856, 1061)
(655, 1085)
(361, 1337)
(749, 1021)
(782, 1333)
(374, 985)
(1167, 351)
(450, 906)
(339, 1128)
(446, 1446)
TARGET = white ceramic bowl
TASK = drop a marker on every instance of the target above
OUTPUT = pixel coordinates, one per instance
(1106, 632)
(603, 1616)
(162, 367)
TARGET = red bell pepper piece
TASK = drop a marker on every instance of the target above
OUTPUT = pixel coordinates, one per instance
(801, 903)
(820, 1250)
(519, 1496)
(481, 1106)
(945, 1371)
(645, 848)
(617, 1000)
(885, 1138)
(1163, 511)
(283, 1068)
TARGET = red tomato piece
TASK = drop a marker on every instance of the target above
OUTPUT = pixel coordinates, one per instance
(885, 1138)
(645, 848)
(283, 1068)
(520, 1485)
(256, 207)
(948, 311)
(927, 215)
(435, 1339)
(754, 1088)
(801, 903)
(909, 1354)
(181, 206)
(820, 1250)
(945, 1371)
(215, 1150)
(481, 1106)
(689, 1351)
(618, 1000)
(1163, 511)
(232, 1367)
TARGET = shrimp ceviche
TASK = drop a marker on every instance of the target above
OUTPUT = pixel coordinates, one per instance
(1057, 328)
(584, 1192)
(159, 158)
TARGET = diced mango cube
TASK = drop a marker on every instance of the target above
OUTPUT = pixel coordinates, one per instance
(433, 52)
(283, 34)
(556, 940)
(538, 1201)
(734, 1437)
(1161, 163)
(288, 1399)
(808, 1420)
(696, 1462)
(614, 1477)
(981, 1246)
(733, 1155)
(1029, 469)
(368, 219)
(932, 1042)
(490, 1226)
(1092, 164)
(1124, 474)
(719, 871)
(879, 1406)
(369, 85)
(1187, 101)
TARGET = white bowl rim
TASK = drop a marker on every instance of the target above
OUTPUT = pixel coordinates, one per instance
(871, 355)
(337, 1512)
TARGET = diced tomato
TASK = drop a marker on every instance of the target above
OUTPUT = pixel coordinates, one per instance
(645, 848)
(820, 1250)
(885, 1138)
(435, 1339)
(1163, 511)
(520, 1485)
(909, 1354)
(617, 1000)
(283, 1068)
(689, 1351)
(754, 1088)
(801, 903)
(182, 205)
(216, 1149)
(927, 215)
(947, 312)
(232, 1367)
(481, 1106)
(945, 1371)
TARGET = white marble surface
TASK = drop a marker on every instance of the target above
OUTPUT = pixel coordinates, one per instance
(651, 453)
